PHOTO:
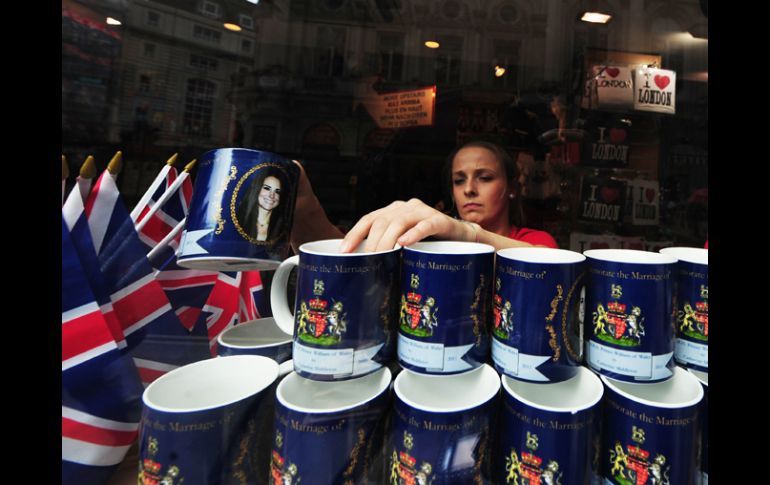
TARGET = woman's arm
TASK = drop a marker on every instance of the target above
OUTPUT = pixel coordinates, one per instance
(406, 223)
(310, 220)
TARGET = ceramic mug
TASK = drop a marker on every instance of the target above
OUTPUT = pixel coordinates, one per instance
(256, 337)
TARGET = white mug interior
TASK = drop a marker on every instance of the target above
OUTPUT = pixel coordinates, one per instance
(703, 377)
(210, 383)
(542, 255)
(254, 334)
(680, 391)
(580, 392)
(690, 255)
(307, 396)
(631, 256)
(331, 247)
(447, 393)
(450, 247)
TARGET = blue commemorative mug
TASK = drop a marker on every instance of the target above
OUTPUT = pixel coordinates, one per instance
(241, 211)
(328, 433)
(650, 430)
(344, 310)
(198, 420)
(692, 307)
(703, 429)
(441, 428)
(256, 337)
(444, 304)
(537, 327)
(548, 433)
(629, 314)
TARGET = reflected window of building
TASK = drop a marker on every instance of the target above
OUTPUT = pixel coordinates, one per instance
(247, 46)
(390, 46)
(149, 50)
(152, 19)
(203, 63)
(199, 103)
(448, 59)
(206, 34)
(210, 9)
(145, 83)
(329, 60)
(246, 21)
(505, 54)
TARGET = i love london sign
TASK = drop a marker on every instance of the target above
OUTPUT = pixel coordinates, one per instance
(655, 90)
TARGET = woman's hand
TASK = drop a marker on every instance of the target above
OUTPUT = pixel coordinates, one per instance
(405, 223)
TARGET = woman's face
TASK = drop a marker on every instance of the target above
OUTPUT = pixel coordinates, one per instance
(479, 187)
(270, 194)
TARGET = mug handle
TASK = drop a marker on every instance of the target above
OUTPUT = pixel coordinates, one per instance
(283, 316)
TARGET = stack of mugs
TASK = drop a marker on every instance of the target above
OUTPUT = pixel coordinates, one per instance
(525, 365)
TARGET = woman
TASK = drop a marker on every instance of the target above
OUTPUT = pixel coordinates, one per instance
(260, 213)
(485, 196)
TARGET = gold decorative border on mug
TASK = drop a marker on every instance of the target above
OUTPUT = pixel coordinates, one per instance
(237, 188)
(565, 313)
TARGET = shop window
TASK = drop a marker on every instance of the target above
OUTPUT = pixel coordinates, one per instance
(391, 55)
(206, 34)
(199, 104)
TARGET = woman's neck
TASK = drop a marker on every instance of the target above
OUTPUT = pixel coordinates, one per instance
(501, 227)
(263, 217)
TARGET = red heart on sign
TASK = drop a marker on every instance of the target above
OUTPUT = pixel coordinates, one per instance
(617, 135)
(650, 193)
(613, 71)
(609, 194)
(662, 81)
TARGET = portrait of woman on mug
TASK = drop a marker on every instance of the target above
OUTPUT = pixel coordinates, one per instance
(260, 212)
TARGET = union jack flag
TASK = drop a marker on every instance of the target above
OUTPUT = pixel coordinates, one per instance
(222, 307)
(101, 391)
(252, 299)
(152, 330)
(169, 215)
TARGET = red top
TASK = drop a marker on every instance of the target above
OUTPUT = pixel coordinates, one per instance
(707, 244)
(532, 236)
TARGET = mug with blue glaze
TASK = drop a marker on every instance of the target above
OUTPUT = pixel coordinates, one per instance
(344, 311)
(548, 433)
(692, 307)
(444, 304)
(442, 427)
(650, 430)
(537, 327)
(703, 429)
(241, 211)
(196, 419)
(256, 337)
(328, 433)
(629, 314)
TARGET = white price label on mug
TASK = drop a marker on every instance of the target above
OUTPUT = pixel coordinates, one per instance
(323, 361)
(692, 352)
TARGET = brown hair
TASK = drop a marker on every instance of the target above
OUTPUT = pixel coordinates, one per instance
(515, 211)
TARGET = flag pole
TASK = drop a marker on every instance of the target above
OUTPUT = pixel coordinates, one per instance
(65, 172)
(136, 212)
(166, 240)
(166, 195)
(115, 165)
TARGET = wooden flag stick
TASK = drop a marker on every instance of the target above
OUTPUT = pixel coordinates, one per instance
(87, 173)
(166, 240)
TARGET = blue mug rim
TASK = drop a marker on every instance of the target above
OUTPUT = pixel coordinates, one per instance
(382, 388)
(675, 381)
(265, 372)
